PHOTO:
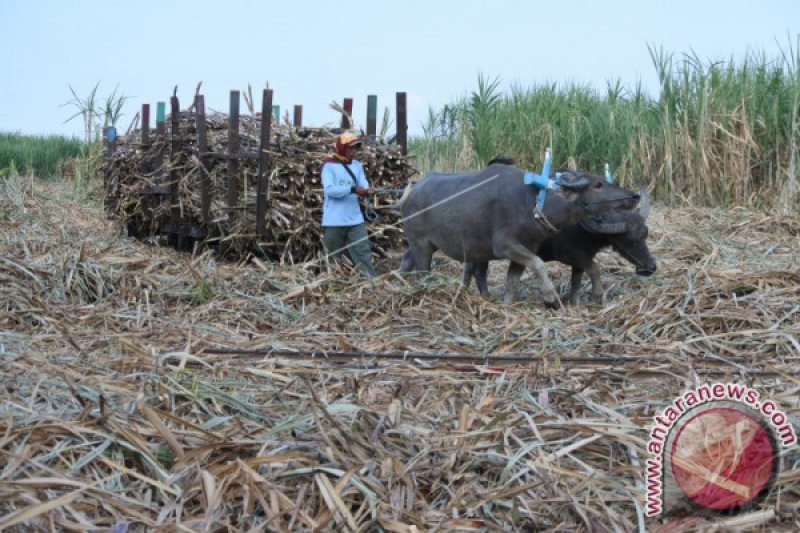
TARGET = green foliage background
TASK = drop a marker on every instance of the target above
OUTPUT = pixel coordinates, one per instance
(41, 155)
(718, 133)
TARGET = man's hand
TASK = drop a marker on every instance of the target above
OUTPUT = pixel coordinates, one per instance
(362, 192)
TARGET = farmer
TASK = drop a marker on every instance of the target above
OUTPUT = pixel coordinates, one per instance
(343, 182)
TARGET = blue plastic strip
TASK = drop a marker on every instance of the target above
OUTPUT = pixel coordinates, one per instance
(537, 180)
(541, 181)
(609, 177)
(540, 199)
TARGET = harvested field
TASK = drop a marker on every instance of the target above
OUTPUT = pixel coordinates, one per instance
(112, 417)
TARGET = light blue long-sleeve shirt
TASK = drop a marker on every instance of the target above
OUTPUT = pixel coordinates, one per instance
(340, 207)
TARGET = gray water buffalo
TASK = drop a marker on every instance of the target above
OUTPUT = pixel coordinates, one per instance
(624, 232)
(489, 214)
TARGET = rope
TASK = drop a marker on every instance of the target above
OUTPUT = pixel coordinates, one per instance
(526, 359)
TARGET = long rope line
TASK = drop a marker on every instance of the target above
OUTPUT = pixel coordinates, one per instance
(402, 220)
(524, 359)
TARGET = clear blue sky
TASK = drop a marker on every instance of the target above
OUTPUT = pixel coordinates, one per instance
(312, 52)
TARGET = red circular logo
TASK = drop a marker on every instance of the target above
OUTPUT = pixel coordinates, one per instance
(722, 458)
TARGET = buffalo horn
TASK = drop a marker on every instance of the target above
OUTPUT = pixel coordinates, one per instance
(644, 203)
(403, 198)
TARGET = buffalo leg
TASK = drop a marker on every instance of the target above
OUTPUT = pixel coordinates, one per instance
(575, 285)
(407, 262)
(477, 271)
(417, 258)
(481, 276)
(513, 275)
(524, 258)
(535, 263)
(597, 285)
(469, 273)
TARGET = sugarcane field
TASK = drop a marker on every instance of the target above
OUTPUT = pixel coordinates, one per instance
(180, 352)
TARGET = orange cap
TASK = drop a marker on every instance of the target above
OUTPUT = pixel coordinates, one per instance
(346, 140)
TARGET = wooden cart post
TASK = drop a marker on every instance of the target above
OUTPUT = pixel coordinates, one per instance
(233, 155)
(202, 150)
(402, 123)
(262, 187)
(372, 117)
(348, 114)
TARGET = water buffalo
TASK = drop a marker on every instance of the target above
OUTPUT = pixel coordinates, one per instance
(489, 214)
(576, 246)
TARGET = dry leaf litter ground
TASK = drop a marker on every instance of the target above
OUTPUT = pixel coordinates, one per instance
(113, 419)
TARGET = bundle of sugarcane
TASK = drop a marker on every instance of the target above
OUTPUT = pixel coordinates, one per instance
(157, 188)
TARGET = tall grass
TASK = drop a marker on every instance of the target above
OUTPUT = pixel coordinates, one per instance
(41, 155)
(91, 112)
(717, 133)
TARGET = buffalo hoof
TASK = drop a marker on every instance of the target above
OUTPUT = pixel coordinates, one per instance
(554, 304)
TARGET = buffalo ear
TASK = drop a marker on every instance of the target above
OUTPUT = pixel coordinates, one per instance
(501, 160)
(570, 180)
(603, 224)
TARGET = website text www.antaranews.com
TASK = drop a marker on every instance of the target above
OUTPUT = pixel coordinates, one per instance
(664, 421)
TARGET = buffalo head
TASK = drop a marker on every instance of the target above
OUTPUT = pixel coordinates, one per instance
(594, 193)
(627, 233)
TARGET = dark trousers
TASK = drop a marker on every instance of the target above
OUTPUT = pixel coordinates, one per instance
(354, 240)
